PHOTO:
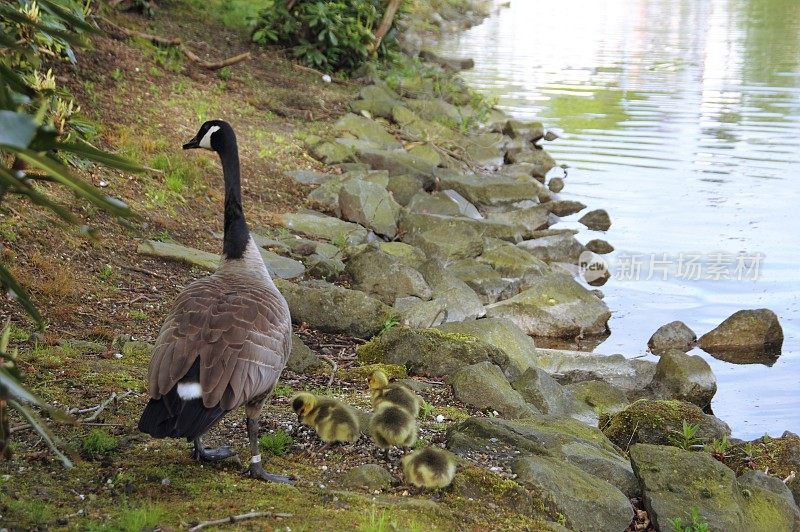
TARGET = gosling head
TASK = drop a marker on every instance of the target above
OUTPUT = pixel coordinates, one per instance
(377, 380)
(213, 135)
(303, 403)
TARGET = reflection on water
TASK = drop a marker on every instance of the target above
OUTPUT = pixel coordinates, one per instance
(682, 119)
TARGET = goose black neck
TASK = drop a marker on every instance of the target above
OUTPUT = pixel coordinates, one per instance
(236, 233)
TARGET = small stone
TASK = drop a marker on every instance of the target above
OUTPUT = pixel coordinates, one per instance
(673, 335)
(597, 220)
(556, 185)
(601, 247)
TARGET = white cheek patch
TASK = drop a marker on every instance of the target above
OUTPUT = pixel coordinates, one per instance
(189, 390)
(205, 142)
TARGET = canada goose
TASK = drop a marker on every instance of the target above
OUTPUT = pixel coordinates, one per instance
(333, 420)
(429, 468)
(392, 425)
(382, 391)
(227, 338)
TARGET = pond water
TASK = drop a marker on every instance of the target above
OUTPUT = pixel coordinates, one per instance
(682, 119)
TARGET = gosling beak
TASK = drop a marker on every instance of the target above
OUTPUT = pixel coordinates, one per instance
(192, 144)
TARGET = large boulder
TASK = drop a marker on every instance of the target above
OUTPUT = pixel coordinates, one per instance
(377, 100)
(367, 476)
(325, 227)
(570, 367)
(747, 336)
(531, 218)
(659, 422)
(334, 309)
(760, 480)
(371, 269)
(367, 130)
(484, 280)
(555, 305)
(512, 262)
(448, 243)
(565, 207)
(413, 223)
(555, 248)
(673, 335)
(603, 464)
(525, 131)
(484, 386)
(405, 253)
(503, 334)
(588, 503)
(675, 481)
(599, 395)
(404, 186)
(302, 359)
(429, 351)
(539, 159)
(685, 377)
(460, 301)
(435, 203)
(370, 205)
(541, 390)
(414, 312)
(396, 162)
(490, 189)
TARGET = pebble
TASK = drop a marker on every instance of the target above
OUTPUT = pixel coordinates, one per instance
(439, 418)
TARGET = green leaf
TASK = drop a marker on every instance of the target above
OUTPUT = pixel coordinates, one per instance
(16, 129)
(79, 186)
(21, 187)
(22, 296)
(87, 151)
(41, 429)
(69, 17)
(15, 81)
(11, 386)
(15, 16)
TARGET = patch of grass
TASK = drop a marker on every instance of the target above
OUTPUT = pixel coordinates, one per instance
(32, 511)
(276, 443)
(375, 522)
(426, 410)
(136, 519)
(282, 390)
(389, 323)
(106, 272)
(98, 443)
(138, 315)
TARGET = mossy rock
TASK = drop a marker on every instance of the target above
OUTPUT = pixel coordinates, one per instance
(599, 395)
(657, 422)
(359, 374)
(490, 488)
(429, 351)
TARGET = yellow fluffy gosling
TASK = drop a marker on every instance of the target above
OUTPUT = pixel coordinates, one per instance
(382, 391)
(429, 468)
(333, 420)
(392, 425)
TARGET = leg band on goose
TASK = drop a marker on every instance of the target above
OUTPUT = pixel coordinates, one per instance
(255, 459)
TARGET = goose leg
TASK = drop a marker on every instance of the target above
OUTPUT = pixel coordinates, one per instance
(203, 454)
(256, 469)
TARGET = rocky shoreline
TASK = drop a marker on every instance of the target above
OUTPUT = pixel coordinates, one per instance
(430, 240)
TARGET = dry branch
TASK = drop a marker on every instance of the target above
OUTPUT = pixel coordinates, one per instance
(235, 519)
(386, 24)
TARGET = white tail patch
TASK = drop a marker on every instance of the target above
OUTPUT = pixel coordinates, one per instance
(189, 390)
(205, 142)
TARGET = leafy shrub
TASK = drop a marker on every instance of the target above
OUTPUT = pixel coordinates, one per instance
(323, 34)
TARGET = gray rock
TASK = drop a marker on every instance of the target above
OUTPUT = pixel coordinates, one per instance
(368, 130)
(429, 351)
(484, 280)
(554, 306)
(577, 366)
(414, 312)
(531, 218)
(282, 267)
(403, 187)
(326, 196)
(484, 151)
(557, 248)
(525, 131)
(747, 336)
(368, 476)
(601, 247)
(309, 177)
(370, 205)
(477, 484)
(385, 277)
(658, 422)
(334, 309)
(405, 253)
(322, 267)
(674, 480)
(758, 479)
(448, 243)
(526, 170)
(540, 159)
(412, 223)
(556, 185)
(461, 301)
(435, 109)
(588, 503)
(465, 207)
(794, 486)
(332, 152)
(565, 207)
(436, 203)
(302, 359)
(604, 465)
(396, 162)
(418, 128)
(673, 335)
(377, 100)
(427, 153)
(541, 390)
(597, 220)
(503, 334)
(685, 377)
(490, 189)
(452, 64)
(169, 250)
(599, 395)
(512, 262)
(484, 386)
(325, 227)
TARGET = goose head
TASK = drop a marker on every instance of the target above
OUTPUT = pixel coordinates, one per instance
(303, 403)
(211, 136)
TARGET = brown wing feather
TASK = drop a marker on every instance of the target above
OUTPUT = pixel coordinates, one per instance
(238, 328)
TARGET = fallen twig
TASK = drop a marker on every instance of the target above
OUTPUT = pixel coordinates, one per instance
(333, 371)
(236, 518)
(102, 406)
(141, 270)
(166, 41)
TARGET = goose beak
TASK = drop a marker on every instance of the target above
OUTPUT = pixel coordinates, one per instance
(192, 144)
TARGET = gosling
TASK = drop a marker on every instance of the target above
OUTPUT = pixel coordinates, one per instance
(430, 468)
(392, 425)
(333, 420)
(397, 394)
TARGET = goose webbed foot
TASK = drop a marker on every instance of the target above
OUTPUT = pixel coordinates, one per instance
(212, 454)
(257, 471)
